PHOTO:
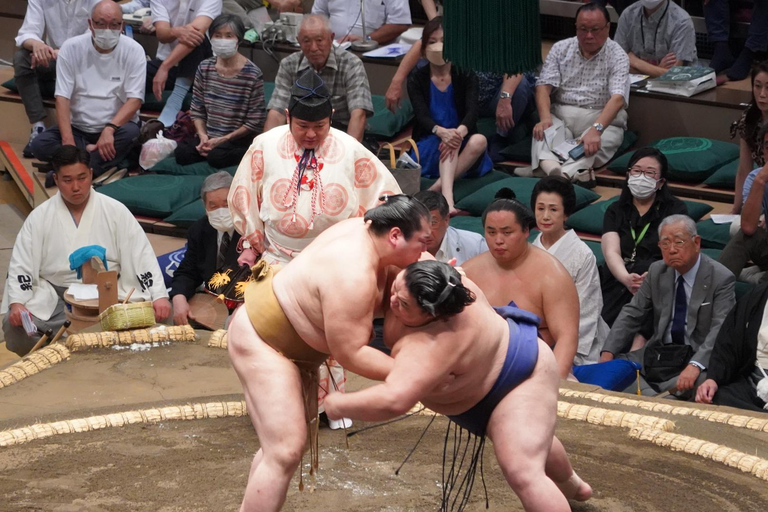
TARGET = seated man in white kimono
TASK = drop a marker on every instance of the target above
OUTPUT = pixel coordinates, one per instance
(39, 272)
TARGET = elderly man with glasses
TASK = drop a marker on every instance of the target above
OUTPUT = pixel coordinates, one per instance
(582, 93)
(689, 296)
(99, 90)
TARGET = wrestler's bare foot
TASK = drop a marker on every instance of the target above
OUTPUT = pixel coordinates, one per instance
(575, 488)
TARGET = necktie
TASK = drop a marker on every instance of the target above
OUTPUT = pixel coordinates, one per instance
(681, 311)
(223, 247)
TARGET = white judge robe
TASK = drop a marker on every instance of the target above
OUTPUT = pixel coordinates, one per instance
(580, 262)
(40, 255)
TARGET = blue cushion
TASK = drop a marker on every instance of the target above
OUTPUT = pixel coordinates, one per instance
(615, 375)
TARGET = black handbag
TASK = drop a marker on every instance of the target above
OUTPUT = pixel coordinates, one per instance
(664, 362)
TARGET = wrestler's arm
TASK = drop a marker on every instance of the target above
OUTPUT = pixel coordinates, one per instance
(348, 320)
(561, 311)
(420, 366)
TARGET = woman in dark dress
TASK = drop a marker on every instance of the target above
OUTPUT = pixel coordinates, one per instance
(631, 229)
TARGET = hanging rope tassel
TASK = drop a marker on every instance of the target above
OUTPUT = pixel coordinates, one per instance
(499, 36)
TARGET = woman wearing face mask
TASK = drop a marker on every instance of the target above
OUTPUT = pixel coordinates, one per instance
(212, 243)
(630, 229)
(227, 101)
(445, 104)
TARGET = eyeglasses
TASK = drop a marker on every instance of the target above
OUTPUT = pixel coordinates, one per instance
(679, 243)
(649, 173)
(111, 26)
(587, 30)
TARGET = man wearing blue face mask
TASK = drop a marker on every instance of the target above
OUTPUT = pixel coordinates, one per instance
(99, 90)
(212, 243)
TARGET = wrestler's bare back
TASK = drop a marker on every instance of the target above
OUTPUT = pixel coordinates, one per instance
(348, 272)
(524, 283)
(471, 348)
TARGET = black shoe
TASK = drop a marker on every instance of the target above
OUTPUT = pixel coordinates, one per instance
(49, 182)
(28, 151)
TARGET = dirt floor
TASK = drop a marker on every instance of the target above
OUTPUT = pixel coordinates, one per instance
(203, 465)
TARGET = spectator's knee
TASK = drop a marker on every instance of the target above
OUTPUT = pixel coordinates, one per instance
(21, 62)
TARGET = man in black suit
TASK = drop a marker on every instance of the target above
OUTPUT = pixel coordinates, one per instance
(212, 242)
(740, 356)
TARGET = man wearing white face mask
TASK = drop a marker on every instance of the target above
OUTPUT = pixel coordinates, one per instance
(99, 90)
(656, 34)
(211, 243)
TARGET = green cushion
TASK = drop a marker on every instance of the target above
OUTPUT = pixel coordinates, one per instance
(476, 203)
(691, 159)
(743, 288)
(187, 215)
(590, 219)
(712, 253)
(465, 222)
(724, 177)
(466, 186)
(47, 87)
(519, 151)
(713, 236)
(155, 195)
(384, 123)
(597, 250)
(269, 88)
(170, 166)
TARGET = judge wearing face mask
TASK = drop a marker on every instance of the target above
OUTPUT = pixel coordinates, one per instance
(630, 229)
(212, 243)
(445, 103)
(656, 34)
(227, 101)
(99, 90)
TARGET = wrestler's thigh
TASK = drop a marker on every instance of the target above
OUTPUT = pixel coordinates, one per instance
(522, 425)
(272, 385)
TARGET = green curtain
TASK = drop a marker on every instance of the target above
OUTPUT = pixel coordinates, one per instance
(500, 36)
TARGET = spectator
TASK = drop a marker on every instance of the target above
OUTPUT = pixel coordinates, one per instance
(748, 128)
(99, 90)
(739, 358)
(630, 240)
(133, 6)
(515, 273)
(750, 243)
(688, 295)
(35, 60)
(39, 272)
(385, 20)
(445, 242)
(183, 46)
(507, 98)
(638, 34)
(341, 71)
(227, 101)
(718, 20)
(445, 104)
(211, 244)
(582, 92)
(553, 200)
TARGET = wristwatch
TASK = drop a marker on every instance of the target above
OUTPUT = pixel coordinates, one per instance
(503, 95)
(599, 127)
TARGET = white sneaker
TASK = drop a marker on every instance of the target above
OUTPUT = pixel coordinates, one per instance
(342, 423)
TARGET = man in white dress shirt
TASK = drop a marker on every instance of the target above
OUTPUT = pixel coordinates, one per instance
(582, 93)
(446, 242)
(47, 24)
(385, 20)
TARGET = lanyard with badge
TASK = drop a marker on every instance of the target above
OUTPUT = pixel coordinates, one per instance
(655, 33)
(636, 239)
